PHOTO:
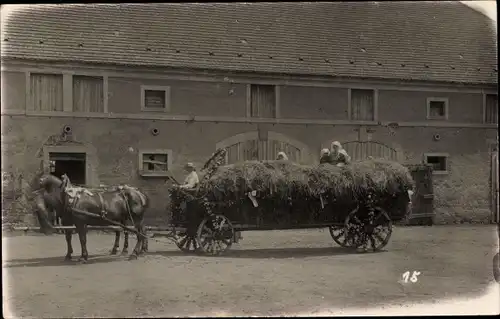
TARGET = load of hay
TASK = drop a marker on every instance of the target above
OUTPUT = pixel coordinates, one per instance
(284, 184)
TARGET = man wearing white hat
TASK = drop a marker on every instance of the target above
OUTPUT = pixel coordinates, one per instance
(192, 179)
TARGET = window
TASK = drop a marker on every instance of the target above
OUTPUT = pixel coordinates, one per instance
(88, 94)
(362, 105)
(46, 92)
(491, 109)
(263, 101)
(437, 108)
(155, 98)
(439, 162)
(155, 162)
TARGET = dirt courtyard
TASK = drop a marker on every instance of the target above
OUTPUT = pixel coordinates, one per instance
(267, 273)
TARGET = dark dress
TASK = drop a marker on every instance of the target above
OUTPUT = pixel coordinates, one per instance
(340, 157)
(325, 158)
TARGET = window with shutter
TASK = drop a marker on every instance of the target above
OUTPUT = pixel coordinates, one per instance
(88, 94)
(438, 161)
(362, 105)
(263, 101)
(491, 109)
(155, 98)
(46, 92)
(155, 162)
(437, 108)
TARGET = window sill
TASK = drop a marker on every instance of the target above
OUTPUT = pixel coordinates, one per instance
(158, 110)
(440, 118)
(154, 174)
(440, 172)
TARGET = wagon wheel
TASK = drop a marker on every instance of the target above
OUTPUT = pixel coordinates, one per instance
(340, 234)
(215, 235)
(187, 243)
(374, 232)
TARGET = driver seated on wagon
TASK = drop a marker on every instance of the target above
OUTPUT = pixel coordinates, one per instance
(192, 180)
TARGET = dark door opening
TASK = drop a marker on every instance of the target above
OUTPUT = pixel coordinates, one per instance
(71, 164)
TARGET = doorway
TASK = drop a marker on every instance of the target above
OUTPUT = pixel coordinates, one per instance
(71, 164)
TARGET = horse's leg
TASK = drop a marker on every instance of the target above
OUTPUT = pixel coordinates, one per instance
(138, 246)
(144, 243)
(82, 233)
(125, 243)
(68, 234)
(117, 243)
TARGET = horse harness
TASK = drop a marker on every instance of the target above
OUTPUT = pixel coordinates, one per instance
(74, 192)
(127, 206)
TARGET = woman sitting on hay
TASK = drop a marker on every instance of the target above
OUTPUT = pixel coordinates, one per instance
(336, 156)
(282, 157)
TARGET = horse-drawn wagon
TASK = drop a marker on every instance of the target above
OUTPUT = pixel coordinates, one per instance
(358, 204)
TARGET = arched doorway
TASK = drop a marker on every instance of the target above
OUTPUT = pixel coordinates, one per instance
(254, 146)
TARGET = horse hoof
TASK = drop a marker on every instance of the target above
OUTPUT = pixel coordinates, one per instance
(114, 252)
(82, 260)
(67, 258)
(132, 257)
(125, 252)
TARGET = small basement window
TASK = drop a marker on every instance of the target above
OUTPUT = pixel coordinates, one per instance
(437, 108)
(155, 162)
(439, 162)
(155, 98)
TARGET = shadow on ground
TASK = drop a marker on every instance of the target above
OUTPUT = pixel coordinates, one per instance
(270, 253)
(59, 261)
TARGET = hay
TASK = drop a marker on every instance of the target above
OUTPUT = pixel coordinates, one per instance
(284, 181)
(282, 178)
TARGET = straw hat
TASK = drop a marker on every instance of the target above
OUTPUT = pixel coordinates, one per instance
(189, 166)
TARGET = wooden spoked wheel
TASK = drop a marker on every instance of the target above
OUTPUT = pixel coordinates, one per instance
(338, 234)
(370, 232)
(187, 243)
(215, 235)
(341, 235)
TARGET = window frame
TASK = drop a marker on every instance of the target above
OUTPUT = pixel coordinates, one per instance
(277, 100)
(375, 103)
(446, 108)
(140, 163)
(447, 164)
(485, 104)
(30, 102)
(165, 89)
(104, 91)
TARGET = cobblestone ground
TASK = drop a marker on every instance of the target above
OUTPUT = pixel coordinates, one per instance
(267, 273)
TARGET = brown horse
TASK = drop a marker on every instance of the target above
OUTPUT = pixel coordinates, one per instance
(121, 204)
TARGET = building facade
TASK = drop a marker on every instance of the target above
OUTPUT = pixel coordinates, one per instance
(128, 93)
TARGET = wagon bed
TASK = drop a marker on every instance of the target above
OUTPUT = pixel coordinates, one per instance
(210, 226)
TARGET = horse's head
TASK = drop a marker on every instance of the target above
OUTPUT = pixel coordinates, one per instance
(50, 199)
(50, 182)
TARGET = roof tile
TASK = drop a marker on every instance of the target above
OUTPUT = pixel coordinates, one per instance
(390, 40)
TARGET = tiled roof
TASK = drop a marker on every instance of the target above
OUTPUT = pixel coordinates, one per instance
(429, 41)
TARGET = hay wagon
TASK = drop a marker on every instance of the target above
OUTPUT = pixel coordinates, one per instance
(357, 203)
(273, 195)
